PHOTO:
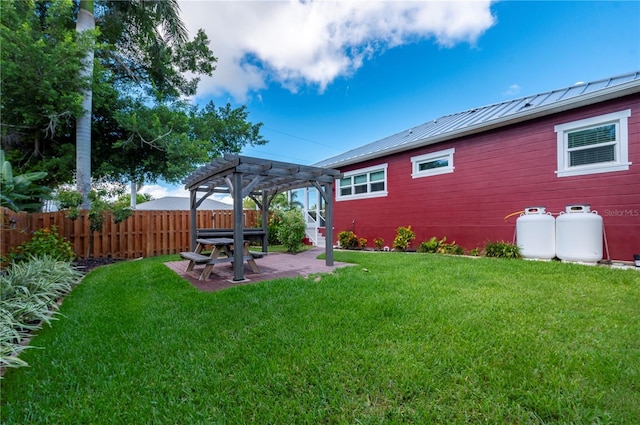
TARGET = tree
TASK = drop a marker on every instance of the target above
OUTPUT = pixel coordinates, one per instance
(85, 22)
(140, 129)
(40, 61)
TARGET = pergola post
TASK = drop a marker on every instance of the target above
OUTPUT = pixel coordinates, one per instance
(238, 227)
(264, 209)
(327, 194)
(193, 229)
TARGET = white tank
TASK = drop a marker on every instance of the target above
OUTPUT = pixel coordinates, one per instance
(579, 234)
(536, 233)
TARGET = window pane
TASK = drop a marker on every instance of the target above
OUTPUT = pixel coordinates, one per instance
(593, 155)
(345, 191)
(376, 176)
(362, 178)
(377, 187)
(361, 189)
(433, 164)
(592, 136)
(345, 182)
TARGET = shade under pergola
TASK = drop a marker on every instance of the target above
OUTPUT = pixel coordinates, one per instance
(261, 180)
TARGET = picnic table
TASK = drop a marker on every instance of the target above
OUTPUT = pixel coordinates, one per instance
(218, 246)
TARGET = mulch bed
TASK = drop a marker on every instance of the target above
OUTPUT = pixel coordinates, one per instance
(85, 265)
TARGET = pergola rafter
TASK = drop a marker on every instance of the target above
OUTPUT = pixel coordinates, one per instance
(261, 180)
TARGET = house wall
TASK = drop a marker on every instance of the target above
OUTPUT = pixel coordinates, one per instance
(497, 173)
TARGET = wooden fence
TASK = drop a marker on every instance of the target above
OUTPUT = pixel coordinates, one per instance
(144, 234)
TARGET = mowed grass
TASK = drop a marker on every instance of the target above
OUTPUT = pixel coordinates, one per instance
(399, 338)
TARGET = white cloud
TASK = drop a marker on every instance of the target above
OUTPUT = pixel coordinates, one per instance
(314, 42)
(157, 191)
(513, 90)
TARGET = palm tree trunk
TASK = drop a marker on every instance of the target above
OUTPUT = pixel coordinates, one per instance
(86, 21)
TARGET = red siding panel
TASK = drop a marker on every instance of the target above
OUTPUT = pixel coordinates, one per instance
(497, 173)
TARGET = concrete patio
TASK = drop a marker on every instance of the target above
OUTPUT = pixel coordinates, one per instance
(272, 266)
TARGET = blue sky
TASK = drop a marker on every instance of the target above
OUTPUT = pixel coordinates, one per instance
(326, 77)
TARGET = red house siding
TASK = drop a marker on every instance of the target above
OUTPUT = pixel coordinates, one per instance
(499, 172)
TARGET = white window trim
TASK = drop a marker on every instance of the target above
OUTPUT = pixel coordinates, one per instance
(379, 194)
(444, 154)
(622, 145)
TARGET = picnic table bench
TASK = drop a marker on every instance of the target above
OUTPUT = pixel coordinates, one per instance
(219, 246)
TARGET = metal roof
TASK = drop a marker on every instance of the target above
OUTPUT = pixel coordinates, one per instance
(491, 116)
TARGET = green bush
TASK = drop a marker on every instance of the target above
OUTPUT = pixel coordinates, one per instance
(291, 230)
(432, 245)
(441, 246)
(274, 225)
(502, 250)
(21, 192)
(379, 243)
(452, 249)
(348, 240)
(404, 236)
(45, 242)
(28, 294)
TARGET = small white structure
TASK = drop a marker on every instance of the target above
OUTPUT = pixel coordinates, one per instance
(173, 203)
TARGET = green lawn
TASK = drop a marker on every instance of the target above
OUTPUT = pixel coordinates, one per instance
(400, 338)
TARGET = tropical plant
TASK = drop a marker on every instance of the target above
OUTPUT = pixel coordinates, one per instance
(28, 294)
(292, 229)
(348, 240)
(44, 243)
(475, 252)
(441, 246)
(502, 249)
(275, 219)
(452, 249)
(21, 193)
(432, 245)
(404, 236)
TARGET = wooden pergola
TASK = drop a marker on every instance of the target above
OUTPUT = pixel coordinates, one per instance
(261, 180)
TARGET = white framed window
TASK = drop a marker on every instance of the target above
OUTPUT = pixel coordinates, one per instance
(363, 183)
(593, 145)
(432, 164)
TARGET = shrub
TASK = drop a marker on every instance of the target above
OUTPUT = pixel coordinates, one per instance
(362, 242)
(28, 295)
(452, 249)
(502, 250)
(45, 242)
(274, 225)
(291, 230)
(432, 245)
(348, 240)
(379, 243)
(403, 238)
(441, 246)
(21, 192)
